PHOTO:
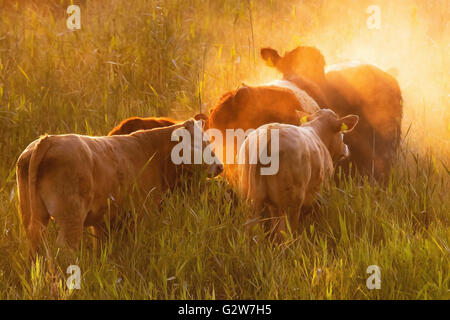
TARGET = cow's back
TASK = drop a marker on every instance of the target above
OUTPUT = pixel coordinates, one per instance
(304, 164)
(92, 168)
(251, 107)
(375, 96)
(133, 124)
(376, 91)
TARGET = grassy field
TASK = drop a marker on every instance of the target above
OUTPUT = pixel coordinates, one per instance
(176, 57)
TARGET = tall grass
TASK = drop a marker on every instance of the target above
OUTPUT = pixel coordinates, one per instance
(173, 58)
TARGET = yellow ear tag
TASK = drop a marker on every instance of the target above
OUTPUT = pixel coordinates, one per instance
(344, 127)
(269, 62)
(304, 119)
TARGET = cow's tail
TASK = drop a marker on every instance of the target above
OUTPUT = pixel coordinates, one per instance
(255, 177)
(38, 214)
(267, 149)
(22, 166)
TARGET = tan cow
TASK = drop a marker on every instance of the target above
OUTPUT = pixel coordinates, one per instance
(78, 179)
(305, 162)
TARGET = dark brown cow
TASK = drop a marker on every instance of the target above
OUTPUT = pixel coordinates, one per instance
(359, 89)
(248, 108)
(133, 124)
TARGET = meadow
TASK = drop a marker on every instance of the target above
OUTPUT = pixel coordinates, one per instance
(176, 58)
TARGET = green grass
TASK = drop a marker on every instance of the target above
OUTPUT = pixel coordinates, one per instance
(171, 58)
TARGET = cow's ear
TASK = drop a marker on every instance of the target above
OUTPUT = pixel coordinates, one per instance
(348, 123)
(201, 116)
(189, 124)
(201, 123)
(270, 56)
(302, 116)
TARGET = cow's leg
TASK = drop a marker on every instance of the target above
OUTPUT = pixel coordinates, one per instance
(277, 223)
(257, 209)
(106, 220)
(257, 196)
(71, 223)
(294, 218)
(281, 217)
(100, 233)
(70, 233)
(37, 225)
(35, 232)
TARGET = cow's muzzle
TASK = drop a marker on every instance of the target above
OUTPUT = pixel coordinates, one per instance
(215, 170)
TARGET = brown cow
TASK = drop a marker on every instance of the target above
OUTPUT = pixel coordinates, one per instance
(133, 124)
(360, 89)
(248, 108)
(78, 179)
(304, 155)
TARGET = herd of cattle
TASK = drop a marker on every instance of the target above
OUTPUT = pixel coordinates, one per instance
(77, 179)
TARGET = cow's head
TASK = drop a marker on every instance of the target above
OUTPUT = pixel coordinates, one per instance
(331, 129)
(307, 62)
(193, 150)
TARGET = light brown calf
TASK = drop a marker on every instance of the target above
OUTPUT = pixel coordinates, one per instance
(78, 179)
(305, 162)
